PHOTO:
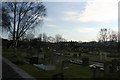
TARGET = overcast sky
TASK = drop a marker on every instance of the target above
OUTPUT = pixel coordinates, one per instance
(80, 20)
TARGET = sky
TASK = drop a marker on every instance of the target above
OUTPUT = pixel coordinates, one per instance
(79, 21)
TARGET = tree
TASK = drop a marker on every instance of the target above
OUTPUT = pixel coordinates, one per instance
(51, 39)
(29, 36)
(118, 36)
(5, 19)
(45, 38)
(23, 17)
(10, 36)
(107, 35)
(59, 38)
(112, 36)
(40, 37)
(103, 35)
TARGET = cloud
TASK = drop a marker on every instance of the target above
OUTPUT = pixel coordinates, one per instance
(45, 18)
(48, 19)
(87, 30)
(50, 25)
(100, 11)
(70, 15)
(95, 11)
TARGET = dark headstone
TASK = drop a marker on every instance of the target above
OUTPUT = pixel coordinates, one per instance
(59, 76)
(107, 66)
(65, 64)
(74, 55)
(79, 54)
(96, 72)
(34, 60)
(115, 64)
(85, 61)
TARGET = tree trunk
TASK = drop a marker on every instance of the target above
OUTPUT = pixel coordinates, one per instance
(14, 31)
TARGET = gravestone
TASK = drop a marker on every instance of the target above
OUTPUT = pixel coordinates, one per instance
(101, 56)
(115, 64)
(85, 61)
(74, 55)
(59, 76)
(41, 55)
(96, 72)
(107, 66)
(65, 64)
(33, 60)
(79, 54)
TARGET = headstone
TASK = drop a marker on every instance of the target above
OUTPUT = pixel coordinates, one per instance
(41, 55)
(74, 55)
(33, 60)
(59, 76)
(65, 64)
(107, 66)
(79, 54)
(101, 56)
(115, 64)
(85, 61)
(105, 56)
(96, 72)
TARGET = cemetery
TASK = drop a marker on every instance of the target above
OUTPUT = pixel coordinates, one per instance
(59, 41)
(51, 66)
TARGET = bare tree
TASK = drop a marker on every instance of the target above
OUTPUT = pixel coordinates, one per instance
(10, 36)
(118, 34)
(51, 39)
(112, 36)
(5, 19)
(45, 38)
(40, 37)
(29, 35)
(23, 17)
(103, 35)
(59, 38)
(108, 35)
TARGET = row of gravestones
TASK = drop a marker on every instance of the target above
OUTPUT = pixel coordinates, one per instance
(85, 61)
(109, 67)
(65, 65)
(60, 76)
(34, 60)
(113, 66)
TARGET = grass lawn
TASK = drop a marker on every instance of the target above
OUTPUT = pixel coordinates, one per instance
(74, 71)
(98, 59)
